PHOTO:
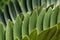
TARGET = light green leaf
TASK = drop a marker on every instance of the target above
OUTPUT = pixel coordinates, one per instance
(32, 21)
(17, 29)
(46, 20)
(9, 30)
(40, 18)
(25, 25)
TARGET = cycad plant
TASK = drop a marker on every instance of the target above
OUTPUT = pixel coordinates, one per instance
(29, 20)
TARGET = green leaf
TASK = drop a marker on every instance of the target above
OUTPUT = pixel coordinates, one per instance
(57, 34)
(54, 16)
(25, 25)
(40, 18)
(58, 17)
(32, 21)
(17, 29)
(40, 8)
(9, 30)
(47, 34)
(26, 38)
(1, 32)
(33, 35)
(46, 20)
